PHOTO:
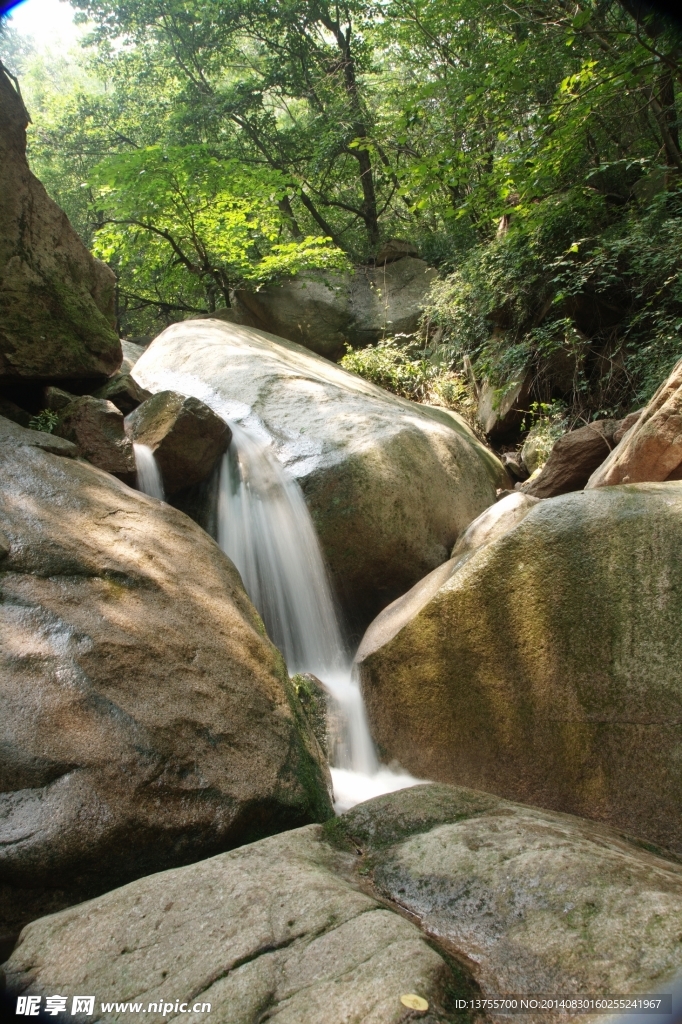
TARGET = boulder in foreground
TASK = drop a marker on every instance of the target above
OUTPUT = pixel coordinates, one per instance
(390, 484)
(269, 928)
(186, 437)
(546, 666)
(147, 720)
(501, 899)
(56, 300)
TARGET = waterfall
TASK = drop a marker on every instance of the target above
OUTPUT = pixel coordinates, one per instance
(265, 528)
(148, 476)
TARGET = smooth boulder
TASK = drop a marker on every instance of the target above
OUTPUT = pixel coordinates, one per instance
(147, 721)
(96, 426)
(652, 447)
(390, 484)
(532, 902)
(269, 929)
(56, 300)
(186, 437)
(326, 311)
(546, 667)
(443, 893)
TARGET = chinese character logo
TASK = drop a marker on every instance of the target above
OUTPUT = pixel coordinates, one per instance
(55, 1005)
(28, 1006)
(83, 1004)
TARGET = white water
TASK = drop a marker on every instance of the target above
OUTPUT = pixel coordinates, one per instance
(265, 528)
(148, 476)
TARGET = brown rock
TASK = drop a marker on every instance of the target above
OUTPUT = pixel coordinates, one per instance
(124, 392)
(147, 721)
(573, 458)
(545, 667)
(97, 427)
(625, 424)
(56, 300)
(652, 450)
(57, 399)
(186, 437)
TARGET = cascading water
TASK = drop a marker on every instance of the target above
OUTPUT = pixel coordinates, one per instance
(265, 528)
(148, 476)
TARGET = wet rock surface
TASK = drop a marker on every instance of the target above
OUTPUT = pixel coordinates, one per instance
(186, 437)
(441, 892)
(147, 720)
(56, 300)
(532, 902)
(545, 668)
(390, 484)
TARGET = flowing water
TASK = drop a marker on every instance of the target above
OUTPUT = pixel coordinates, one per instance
(265, 528)
(148, 476)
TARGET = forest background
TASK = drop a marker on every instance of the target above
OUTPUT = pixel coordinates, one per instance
(530, 150)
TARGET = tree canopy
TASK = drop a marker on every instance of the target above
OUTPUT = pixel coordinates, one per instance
(531, 148)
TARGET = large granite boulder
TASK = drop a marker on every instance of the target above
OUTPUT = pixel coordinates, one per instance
(186, 437)
(324, 311)
(545, 667)
(56, 300)
(501, 900)
(652, 447)
(390, 484)
(147, 721)
(273, 928)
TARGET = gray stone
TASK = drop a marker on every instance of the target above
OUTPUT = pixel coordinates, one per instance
(501, 409)
(56, 300)
(11, 411)
(124, 391)
(325, 311)
(57, 399)
(533, 902)
(390, 484)
(12, 435)
(97, 427)
(546, 666)
(185, 435)
(501, 900)
(147, 721)
(271, 928)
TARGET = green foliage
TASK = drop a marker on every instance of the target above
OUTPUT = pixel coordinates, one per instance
(407, 370)
(180, 223)
(531, 150)
(46, 420)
